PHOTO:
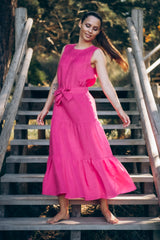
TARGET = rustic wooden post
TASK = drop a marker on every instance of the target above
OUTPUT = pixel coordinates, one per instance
(137, 19)
(146, 125)
(149, 98)
(20, 20)
(76, 212)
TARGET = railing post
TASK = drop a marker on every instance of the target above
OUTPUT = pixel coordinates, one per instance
(20, 20)
(137, 18)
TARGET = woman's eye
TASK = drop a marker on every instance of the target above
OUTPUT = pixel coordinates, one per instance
(87, 25)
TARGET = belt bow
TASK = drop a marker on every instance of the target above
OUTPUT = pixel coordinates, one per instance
(62, 92)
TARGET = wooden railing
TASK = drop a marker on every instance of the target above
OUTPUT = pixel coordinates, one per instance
(156, 63)
(146, 103)
(17, 74)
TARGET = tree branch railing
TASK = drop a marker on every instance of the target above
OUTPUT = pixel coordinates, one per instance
(14, 67)
(146, 87)
(146, 125)
(17, 73)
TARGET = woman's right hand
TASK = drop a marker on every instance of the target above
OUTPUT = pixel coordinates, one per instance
(41, 116)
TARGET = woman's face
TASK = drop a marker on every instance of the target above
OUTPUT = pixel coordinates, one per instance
(90, 28)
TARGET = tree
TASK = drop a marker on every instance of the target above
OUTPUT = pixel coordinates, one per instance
(7, 13)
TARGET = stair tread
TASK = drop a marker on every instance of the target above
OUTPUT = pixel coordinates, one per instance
(45, 142)
(123, 88)
(11, 177)
(81, 223)
(99, 113)
(125, 199)
(108, 126)
(98, 100)
(43, 159)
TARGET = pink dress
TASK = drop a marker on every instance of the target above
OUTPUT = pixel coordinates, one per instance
(80, 162)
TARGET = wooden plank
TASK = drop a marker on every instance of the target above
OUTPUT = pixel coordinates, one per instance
(43, 159)
(99, 113)
(145, 177)
(108, 126)
(124, 88)
(125, 199)
(44, 142)
(82, 223)
(97, 100)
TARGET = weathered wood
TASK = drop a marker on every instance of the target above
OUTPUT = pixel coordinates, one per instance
(39, 177)
(43, 159)
(76, 212)
(5, 92)
(137, 18)
(100, 113)
(146, 125)
(45, 142)
(153, 66)
(83, 223)
(5, 134)
(157, 48)
(146, 88)
(125, 199)
(20, 20)
(44, 127)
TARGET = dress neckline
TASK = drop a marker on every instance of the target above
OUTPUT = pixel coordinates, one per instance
(78, 49)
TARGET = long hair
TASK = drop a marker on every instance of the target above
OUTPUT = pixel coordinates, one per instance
(105, 44)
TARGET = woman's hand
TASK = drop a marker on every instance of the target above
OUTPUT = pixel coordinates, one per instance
(41, 116)
(125, 118)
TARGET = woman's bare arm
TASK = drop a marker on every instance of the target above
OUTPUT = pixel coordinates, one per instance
(50, 99)
(99, 61)
(49, 102)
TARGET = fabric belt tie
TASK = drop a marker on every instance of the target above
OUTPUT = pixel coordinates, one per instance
(66, 93)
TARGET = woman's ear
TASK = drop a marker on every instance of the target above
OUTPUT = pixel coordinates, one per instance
(80, 24)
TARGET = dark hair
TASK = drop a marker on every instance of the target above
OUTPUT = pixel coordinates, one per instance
(105, 44)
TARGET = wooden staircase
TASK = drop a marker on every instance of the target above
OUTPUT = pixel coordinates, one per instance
(22, 181)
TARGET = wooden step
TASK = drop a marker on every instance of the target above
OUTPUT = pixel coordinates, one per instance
(125, 199)
(35, 88)
(9, 177)
(43, 159)
(107, 126)
(98, 100)
(81, 223)
(99, 113)
(45, 142)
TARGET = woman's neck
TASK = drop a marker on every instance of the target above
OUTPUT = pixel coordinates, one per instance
(83, 44)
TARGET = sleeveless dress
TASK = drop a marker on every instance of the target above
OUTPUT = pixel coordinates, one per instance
(80, 162)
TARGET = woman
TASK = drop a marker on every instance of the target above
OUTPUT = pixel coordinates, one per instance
(80, 162)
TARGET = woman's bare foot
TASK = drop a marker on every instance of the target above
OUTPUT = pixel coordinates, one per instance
(110, 218)
(60, 216)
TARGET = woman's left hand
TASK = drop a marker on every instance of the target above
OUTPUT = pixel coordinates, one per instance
(125, 118)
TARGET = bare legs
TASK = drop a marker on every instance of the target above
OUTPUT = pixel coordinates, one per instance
(64, 211)
(110, 218)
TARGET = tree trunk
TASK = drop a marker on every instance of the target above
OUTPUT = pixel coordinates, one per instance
(7, 13)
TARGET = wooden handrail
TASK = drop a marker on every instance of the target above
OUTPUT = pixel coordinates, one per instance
(13, 107)
(153, 66)
(146, 125)
(146, 88)
(5, 92)
(152, 52)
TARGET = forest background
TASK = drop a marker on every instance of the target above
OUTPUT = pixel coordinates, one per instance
(56, 24)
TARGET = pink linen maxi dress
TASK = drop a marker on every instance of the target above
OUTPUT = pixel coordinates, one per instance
(80, 162)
